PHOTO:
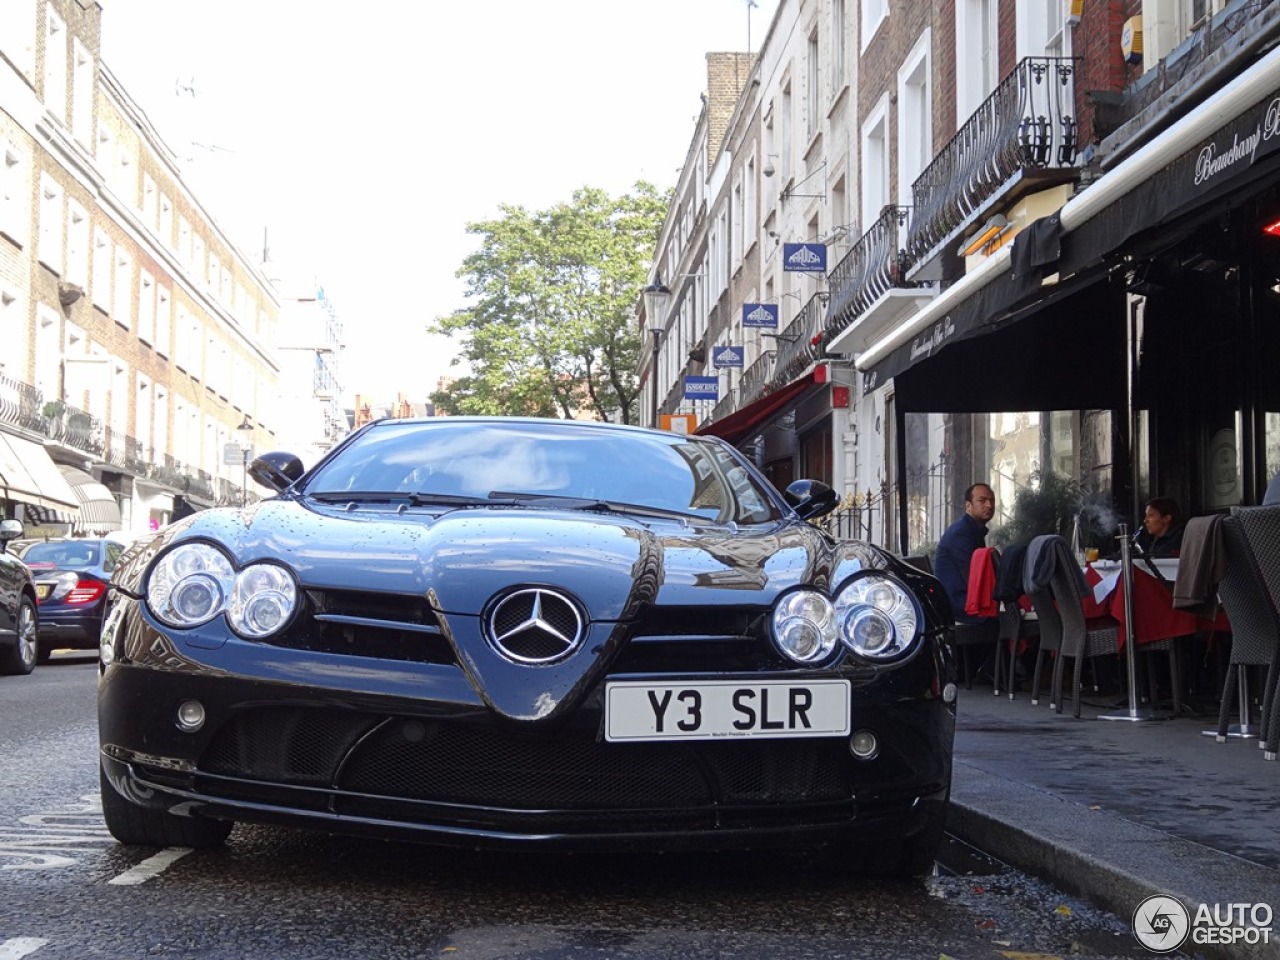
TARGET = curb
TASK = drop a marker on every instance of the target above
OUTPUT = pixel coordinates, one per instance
(1104, 858)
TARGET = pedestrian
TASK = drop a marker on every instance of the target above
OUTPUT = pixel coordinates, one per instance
(957, 546)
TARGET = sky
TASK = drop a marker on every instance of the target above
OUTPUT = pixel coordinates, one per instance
(360, 139)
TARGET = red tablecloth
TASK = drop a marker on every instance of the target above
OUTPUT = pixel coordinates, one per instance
(1153, 609)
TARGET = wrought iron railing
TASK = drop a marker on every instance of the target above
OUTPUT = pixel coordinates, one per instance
(1028, 123)
(200, 484)
(800, 341)
(755, 378)
(167, 471)
(73, 427)
(20, 404)
(137, 457)
(872, 266)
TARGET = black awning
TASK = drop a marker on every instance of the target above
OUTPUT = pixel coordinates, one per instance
(1068, 354)
(754, 416)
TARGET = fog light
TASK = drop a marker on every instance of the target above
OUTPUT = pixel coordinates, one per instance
(190, 716)
(863, 745)
(949, 693)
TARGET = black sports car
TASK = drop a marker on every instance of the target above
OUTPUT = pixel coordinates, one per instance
(499, 631)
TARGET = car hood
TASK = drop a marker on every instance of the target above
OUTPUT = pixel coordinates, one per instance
(614, 564)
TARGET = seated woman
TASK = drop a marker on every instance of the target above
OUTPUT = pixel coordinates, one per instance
(1161, 533)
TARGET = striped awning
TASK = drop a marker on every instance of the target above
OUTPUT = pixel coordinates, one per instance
(99, 510)
(28, 475)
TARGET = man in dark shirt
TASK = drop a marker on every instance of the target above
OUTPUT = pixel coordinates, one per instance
(955, 549)
(1161, 534)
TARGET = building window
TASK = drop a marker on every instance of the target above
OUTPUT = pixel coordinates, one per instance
(975, 55)
(146, 308)
(122, 294)
(15, 193)
(166, 220)
(49, 244)
(164, 320)
(875, 161)
(77, 244)
(837, 47)
(813, 110)
(149, 201)
(55, 64)
(874, 13)
(101, 278)
(18, 27)
(82, 82)
(786, 120)
(915, 117)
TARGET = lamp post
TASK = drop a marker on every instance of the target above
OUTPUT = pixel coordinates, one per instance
(656, 296)
(246, 447)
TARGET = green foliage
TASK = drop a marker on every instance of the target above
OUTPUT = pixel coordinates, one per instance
(1052, 503)
(550, 328)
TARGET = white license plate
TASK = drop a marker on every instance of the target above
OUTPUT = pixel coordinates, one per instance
(721, 709)
(42, 590)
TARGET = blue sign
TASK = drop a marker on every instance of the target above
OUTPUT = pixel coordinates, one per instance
(727, 357)
(804, 257)
(702, 388)
(760, 315)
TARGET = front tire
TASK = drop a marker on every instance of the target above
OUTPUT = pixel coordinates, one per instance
(141, 826)
(20, 659)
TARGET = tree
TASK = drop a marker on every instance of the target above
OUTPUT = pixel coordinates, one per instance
(550, 327)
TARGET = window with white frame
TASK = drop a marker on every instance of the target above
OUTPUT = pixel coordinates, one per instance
(49, 242)
(165, 232)
(82, 83)
(215, 273)
(164, 320)
(106, 151)
(184, 240)
(976, 63)
(1041, 29)
(77, 244)
(15, 192)
(182, 350)
(160, 423)
(915, 116)
(150, 201)
(785, 121)
(126, 180)
(749, 223)
(100, 280)
(142, 413)
(813, 95)
(875, 161)
(146, 307)
(838, 50)
(735, 229)
(874, 13)
(55, 63)
(18, 27)
(122, 292)
(48, 352)
(198, 262)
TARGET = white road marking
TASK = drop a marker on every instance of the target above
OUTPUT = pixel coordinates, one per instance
(150, 867)
(20, 947)
(47, 840)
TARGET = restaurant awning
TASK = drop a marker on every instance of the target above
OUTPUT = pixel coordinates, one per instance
(755, 415)
(28, 475)
(98, 508)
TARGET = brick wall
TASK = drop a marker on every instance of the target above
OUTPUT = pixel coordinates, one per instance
(726, 74)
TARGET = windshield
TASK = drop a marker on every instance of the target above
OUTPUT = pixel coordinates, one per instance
(500, 461)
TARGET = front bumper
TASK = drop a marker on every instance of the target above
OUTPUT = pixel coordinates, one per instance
(411, 750)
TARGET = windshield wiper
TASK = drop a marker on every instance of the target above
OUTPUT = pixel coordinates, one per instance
(557, 501)
(394, 496)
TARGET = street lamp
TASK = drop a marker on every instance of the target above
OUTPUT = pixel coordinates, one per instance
(246, 447)
(656, 296)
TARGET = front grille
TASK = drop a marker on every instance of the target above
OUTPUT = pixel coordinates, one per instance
(379, 626)
(417, 760)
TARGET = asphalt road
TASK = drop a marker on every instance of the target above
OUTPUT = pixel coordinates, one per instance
(69, 892)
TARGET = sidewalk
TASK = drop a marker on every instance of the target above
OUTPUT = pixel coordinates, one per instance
(1116, 811)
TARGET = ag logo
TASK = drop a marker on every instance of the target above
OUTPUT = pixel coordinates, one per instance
(1161, 924)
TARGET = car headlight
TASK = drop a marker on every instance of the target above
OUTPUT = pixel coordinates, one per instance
(876, 616)
(196, 582)
(804, 626)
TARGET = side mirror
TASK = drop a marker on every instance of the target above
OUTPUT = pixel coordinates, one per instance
(10, 530)
(811, 498)
(276, 470)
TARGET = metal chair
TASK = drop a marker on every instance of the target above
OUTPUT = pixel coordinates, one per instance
(1255, 628)
(1261, 528)
(1080, 638)
(1010, 633)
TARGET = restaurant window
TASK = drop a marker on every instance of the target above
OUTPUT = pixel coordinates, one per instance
(930, 466)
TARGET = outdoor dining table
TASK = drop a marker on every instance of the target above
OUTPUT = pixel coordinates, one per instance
(1153, 610)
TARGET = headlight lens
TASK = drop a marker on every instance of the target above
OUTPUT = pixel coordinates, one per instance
(877, 617)
(804, 626)
(196, 582)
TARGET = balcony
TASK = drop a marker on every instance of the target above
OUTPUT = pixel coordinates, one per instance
(868, 289)
(1022, 139)
(800, 341)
